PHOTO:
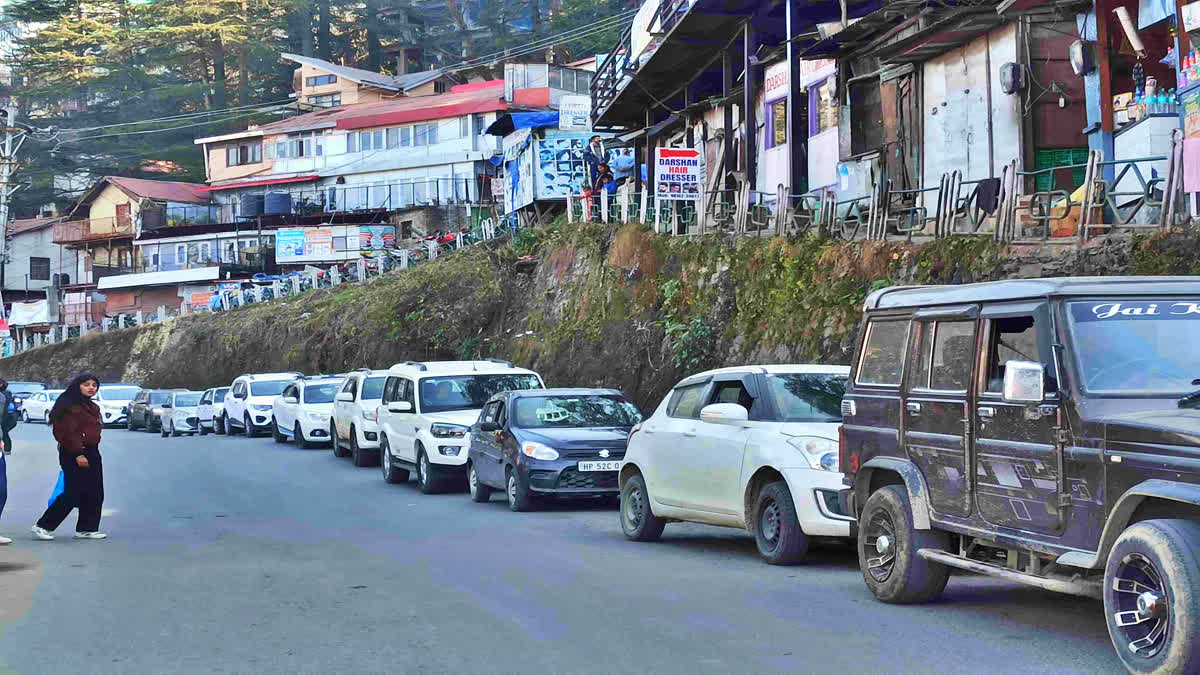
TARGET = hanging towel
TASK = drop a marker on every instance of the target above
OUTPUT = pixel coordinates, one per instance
(1191, 165)
(987, 195)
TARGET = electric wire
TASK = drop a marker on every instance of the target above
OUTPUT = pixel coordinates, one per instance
(541, 43)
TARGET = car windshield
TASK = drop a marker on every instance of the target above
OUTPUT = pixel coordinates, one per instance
(372, 388)
(321, 393)
(542, 412)
(187, 400)
(117, 393)
(25, 387)
(469, 392)
(268, 388)
(1142, 347)
(807, 397)
(220, 393)
(158, 397)
(53, 395)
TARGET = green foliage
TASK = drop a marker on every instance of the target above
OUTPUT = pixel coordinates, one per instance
(1166, 253)
(572, 14)
(689, 343)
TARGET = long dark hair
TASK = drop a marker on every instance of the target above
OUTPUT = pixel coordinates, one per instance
(71, 396)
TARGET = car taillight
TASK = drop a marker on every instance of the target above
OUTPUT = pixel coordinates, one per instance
(636, 428)
(848, 461)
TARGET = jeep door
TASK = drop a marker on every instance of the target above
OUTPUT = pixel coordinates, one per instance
(204, 410)
(137, 408)
(1016, 463)
(712, 460)
(936, 416)
(405, 424)
(872, 404)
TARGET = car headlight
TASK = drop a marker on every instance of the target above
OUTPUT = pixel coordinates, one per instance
(821, 453)
(441, 430)
(539, 451)
(260, 407)
(157, 411)
(372, 415)
(318, 417)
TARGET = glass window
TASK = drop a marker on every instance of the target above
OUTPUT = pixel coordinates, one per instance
(320, 393)
(1010, 339)
(372, 388)
(807, 397)
(389, 390)
(393, 137)
(318, 80)
(1137, 347)
(159, 397)
(39, 268)
(540, 412)
(731, 392)
(268, 388)
(490, 411)
(405, 137)
(686, 402)
(420, 135)
(118, 393)
(464, 125)
(827, 106)
(467, 392)
(948, 363)
(778, 132)
(186, 400)
(351, 142)
(364, 141)
(556, 78)
(480, 124)
(377, 139)
(882, 353)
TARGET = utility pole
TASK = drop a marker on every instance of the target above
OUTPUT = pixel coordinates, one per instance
(8, 165)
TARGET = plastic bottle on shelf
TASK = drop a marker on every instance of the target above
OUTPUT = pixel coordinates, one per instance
(1174, 102)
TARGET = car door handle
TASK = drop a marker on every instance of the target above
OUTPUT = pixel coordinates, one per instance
(987, 411)
(690, 433)
(914, 408)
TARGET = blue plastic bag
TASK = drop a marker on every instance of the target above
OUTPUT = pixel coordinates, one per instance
(58, 487)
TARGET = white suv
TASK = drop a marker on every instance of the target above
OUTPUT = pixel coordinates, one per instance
(354, 429)
(248, 402)
(753, 447)
(114, 400)
(426, 410)
(302, 412)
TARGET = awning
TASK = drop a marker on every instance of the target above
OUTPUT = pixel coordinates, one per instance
(506, 124)
(169, 278)
(256, 183)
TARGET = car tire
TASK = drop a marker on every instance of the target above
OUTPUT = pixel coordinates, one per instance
(480, 492)
(638, 521)
(360, 458)
(339, 450)
(220, 425)
(276, 435)
(129, 423)
(777, 531)
(162, 429)
(391, 475)
(46, 418)
(517, 490)
(301, 442)
(428, 475)
(201, 430)
(1159, 558)
(174, 432)
(891, 568)
(247, 426)
(25, 416)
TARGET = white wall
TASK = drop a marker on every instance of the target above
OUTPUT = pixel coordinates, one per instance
(37, 243)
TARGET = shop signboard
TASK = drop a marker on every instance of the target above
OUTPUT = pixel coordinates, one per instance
(318, 243)
(1191, 115)
(376, 237)
(812, 72)
(775, 81)
(1191, 16)
(200, 299)
(678, 173)
(574, 113)
(289, 244)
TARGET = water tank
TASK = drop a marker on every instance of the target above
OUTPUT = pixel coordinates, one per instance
(250, 205)
(277, 202)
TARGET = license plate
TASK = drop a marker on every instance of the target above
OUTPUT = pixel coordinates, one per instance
(611, 465)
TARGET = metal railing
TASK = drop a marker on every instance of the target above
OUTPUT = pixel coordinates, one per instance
(92, 229)
(310, 201)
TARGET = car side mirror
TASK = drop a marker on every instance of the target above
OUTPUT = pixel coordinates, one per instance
(346, 397)
(1024, 382)
(242, 395)
(724, 413)
(489, 426)
(290, 400)
(166, 405)
(399, 407)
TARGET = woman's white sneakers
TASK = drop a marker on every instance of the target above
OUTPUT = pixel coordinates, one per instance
(39, 533)
(46, 535)
(5, 540)
(90, 535)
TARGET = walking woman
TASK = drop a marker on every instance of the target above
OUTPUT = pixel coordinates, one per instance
(76, 420)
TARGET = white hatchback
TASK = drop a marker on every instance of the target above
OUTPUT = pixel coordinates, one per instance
(303, 411)
(180, 414)
(37, 406)
(355, 427)
(754, 447)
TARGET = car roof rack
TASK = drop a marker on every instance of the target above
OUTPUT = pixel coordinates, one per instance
(501, 362)
(416, 364)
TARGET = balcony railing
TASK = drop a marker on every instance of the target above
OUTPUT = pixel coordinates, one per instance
(613, 74)
(93, 229)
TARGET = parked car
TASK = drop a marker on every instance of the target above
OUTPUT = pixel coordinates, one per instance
(146, 409)
(114, 400)
(752, 447)
(22, 391)
(1043, 431)
(304, 410)
(249, 400)
(37, 406)
(212, 404)
(180, 414)
(355, 430)
(549, 442)
(426, 410)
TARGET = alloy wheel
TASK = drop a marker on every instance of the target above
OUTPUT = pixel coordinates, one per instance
(879, 545)
(423, 469)
(1140, 608)
(512, 487)
(472, 481)
(385, 460)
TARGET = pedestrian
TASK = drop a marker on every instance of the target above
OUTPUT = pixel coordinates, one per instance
(3, 489)
(623, 167)
(8, 415)
(594, 155)
(76, 421)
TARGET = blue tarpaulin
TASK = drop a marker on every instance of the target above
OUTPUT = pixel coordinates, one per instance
(523, 120)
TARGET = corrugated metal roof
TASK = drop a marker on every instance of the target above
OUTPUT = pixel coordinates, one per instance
(29, 224)
(161, 190)
(412, 109)
(380, 80)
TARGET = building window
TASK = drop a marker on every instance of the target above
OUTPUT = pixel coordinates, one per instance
(425, 134)
(245, 153)
(464, 124)
(826, 103)
(318, 80)
(39, 269)
(480, 125)
(326, 101)
(393, 137)
(309, 144)
(405, 137)
(205, 252)
(866, 117)
(180, 254)
(439, 87)
(777, 123)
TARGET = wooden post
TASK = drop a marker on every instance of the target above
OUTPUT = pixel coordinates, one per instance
(797, 124)
(750, 86)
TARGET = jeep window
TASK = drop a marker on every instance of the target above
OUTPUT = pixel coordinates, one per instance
(220, 394)
(1145, 348)
(159, 397)
(389, 390)
(187, 400)
(882, 353)
(372, 388)
(546, 412)
(206, 398)
(269, 388)
(807, 397)
(944, 354)
(350, 386)
(118, 393)
(320, 393)
(469, 392)
(1012, 339)
(686, 402)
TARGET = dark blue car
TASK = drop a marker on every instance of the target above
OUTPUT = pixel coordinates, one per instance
(549, 442)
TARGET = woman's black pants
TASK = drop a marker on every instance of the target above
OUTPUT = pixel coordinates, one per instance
(83, 489)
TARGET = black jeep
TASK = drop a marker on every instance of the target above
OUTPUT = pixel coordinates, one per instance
(1043, 431)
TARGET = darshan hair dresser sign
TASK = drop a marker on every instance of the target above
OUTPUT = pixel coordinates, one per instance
(678, 173)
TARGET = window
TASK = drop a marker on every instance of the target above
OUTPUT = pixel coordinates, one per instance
(242, 154)
(326, 101)
(686, 402)
(540, 412)
(268, 388)
(393, 137)
(405, 137)
(882, 353)
(389, 390)
(351, 386)
(731, 392)
(491, 411)
(372, 388)
(320, 393)
(207, 398)
(469, 392)
(318, 80)
(307, 144)
(807, 397)
(425, 134)
(39, 269)
(777, 114)
(351, 142)
(1013, 339)
(866, 116)
(480, 124)
(944, 354)
(464, 124)
(180, 254)
(826, 103)
(205, 252)
(439, 87)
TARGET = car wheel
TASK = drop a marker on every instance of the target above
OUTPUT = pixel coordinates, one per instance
(480, 492)
(360, 458)
(519, 498)
(1152, 596)
(638, 521)
(25, 416)
(427, 473)
(46, 418)
(247, 426)
(300, 440)
(887, 550)
(200, 429)
(129, 423)
(338, 449)
(391, 474)
(220, 425)
(777, 531)
(276, 435)
(174, 431)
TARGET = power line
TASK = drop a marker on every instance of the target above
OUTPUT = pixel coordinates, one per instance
(565, 36)
(180, 116)
(155, 131)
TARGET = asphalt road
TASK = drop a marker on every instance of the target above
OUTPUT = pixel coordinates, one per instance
(230, 555)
